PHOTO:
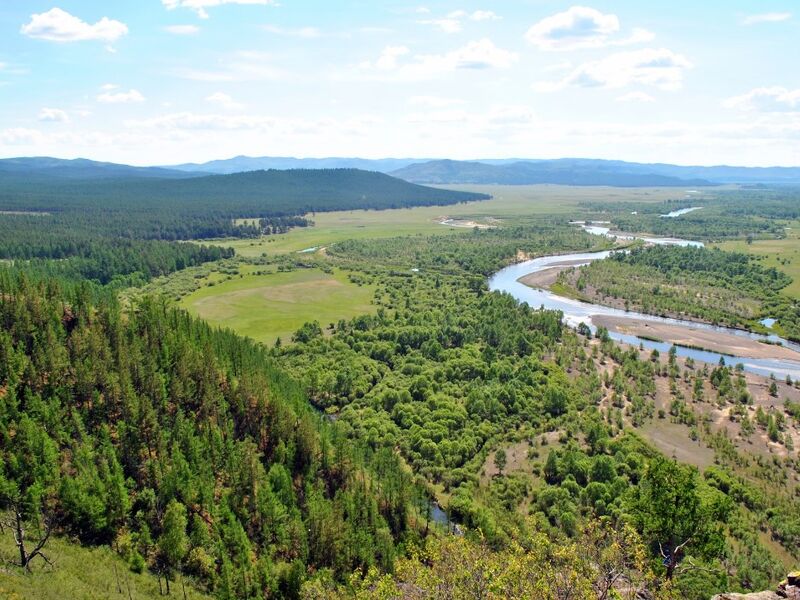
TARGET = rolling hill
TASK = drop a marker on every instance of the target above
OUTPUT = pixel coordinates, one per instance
(253, 193)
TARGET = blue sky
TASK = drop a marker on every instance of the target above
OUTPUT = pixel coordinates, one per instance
(167, 81)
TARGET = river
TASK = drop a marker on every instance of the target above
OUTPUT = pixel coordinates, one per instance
(576, 312)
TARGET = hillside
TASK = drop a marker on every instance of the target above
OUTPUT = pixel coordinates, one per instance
(550, 172)
(183, 446)
(110, 577)
(250, 194)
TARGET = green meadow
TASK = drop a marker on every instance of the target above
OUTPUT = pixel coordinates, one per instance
(271, 306)
(510, 202)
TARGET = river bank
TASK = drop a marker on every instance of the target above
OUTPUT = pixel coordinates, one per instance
(526, 281)
(726, 344)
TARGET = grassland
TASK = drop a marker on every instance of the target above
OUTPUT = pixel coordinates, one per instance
(80, 573)
(267, 307)
(527, 202)
(783, 254)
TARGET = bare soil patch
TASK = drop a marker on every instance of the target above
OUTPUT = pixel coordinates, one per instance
(547, 277)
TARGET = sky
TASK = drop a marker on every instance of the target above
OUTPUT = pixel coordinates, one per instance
(171, 81)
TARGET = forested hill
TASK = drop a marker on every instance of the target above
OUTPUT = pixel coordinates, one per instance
(561, 172)
(296, 191)
(106, 228)
(181, 445)
(250, 194)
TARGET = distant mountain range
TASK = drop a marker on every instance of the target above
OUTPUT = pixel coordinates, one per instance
(238, 164)
(518, 171)
(81, 168)
(565, 171)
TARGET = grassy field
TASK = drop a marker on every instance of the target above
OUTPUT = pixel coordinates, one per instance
(523, 202)
(79, 573)
(783, 254)
(266, 307)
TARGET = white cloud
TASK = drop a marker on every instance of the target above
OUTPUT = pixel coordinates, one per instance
(439, 117)
(560, 66)
(434, 101)
(479, 54)
(767, 99)
(224, 100)
(301, 32)
(112, 97)
(188, 121)
(582, 27)
(57, 25)
(484, 15)
(660, 68)
(182, 29)
(53, 115)
(200, 6)
(771, 17)
(635, 97)
(446, 25)
(388, 58)
(452, 22)
(20, 136)
(241, 66)
(497, 119)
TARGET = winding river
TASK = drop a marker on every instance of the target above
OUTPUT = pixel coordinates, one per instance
(576, 312)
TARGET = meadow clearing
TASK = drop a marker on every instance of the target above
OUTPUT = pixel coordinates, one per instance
(272, 306)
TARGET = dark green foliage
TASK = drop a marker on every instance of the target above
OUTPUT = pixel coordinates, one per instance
(124, 231)
(205, 207)
(120, 262)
